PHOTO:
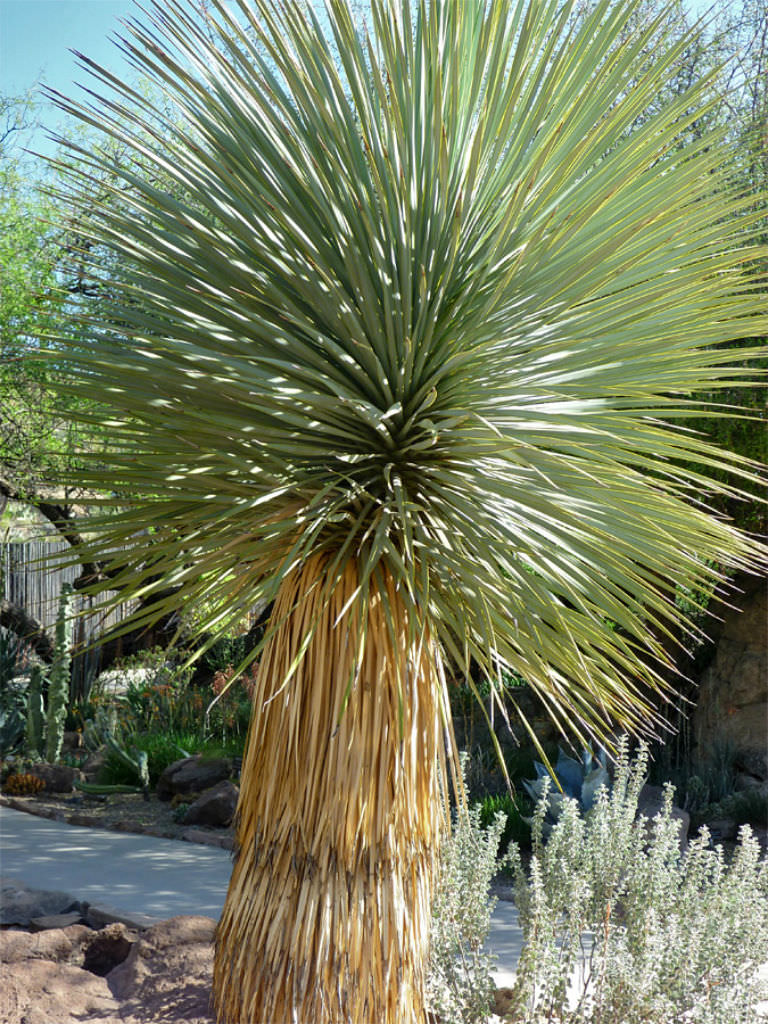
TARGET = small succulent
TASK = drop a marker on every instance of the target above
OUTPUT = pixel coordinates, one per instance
(579, 780)
(23, 785)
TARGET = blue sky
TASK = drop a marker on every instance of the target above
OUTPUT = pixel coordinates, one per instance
(37, 35)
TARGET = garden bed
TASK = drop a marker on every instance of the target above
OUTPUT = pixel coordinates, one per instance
(119, 812)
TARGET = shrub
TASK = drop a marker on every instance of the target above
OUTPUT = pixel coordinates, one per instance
(459, 983)
(161, 751)
(619, 927)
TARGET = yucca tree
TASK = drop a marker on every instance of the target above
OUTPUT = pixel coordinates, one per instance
(404, 325)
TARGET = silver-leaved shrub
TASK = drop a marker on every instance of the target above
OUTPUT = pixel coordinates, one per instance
(620, 928)
(459, 983)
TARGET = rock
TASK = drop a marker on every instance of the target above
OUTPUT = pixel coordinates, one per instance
(168, 974)
(503, 1001)
(58, 778)
(60, 944)
(215, 807)
(649, 803)
(198, 835)
(19, 905)
(44, 992)
(165, 976)
(48, 921)
(107, 948)
(744, 782)
(87, 820)
(732, 706)
(192, 775)
(722, 829)
(98, 916)
(72, 741)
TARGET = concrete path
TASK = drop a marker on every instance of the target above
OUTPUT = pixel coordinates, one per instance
(144, 876)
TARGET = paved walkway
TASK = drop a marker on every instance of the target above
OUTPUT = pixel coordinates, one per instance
(144, 876)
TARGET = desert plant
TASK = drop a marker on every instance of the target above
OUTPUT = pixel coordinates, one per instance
(459, 982)
(35, 712)
(576, 780)
(516, 815)
(619, 926)
(155, 751)
(137, 761)
(23, 784)
(12, 716)
(420, 313)
(58, 678)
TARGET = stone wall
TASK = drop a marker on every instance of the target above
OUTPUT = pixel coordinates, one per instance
(732, 704)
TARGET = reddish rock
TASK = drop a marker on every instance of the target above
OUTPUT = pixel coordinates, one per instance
(58, 778)
(192, 775)
(107, 948)
(166, 975)
(45, 992)
(216, 807)
(199, 835)
(63, 945)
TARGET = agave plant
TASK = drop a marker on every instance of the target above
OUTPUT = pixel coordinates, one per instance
(576, 780)
(406, 318)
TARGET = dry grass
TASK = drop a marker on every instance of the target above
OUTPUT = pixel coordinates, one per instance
(328, 912)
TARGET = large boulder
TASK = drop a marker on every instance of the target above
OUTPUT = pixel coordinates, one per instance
(192, 775)
(215, 807)
(58, 778)
(732, 708)
(20, 905)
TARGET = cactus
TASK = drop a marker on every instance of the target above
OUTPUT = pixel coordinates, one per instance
(58, 680)
(139, 763)
(579, 780)
(35, 713)
(23, 785)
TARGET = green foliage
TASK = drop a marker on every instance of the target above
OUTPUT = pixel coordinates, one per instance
(160, 751)
(225, 652)
(12, 699)
(12, 721)
(701, 778)
(516, 812)
(34, 728)
(58, 677)
(747, 807)
(619, 926)
(136, 762)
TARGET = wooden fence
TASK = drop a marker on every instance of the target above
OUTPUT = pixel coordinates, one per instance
(31, 576)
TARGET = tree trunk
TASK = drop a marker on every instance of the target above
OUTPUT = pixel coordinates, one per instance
(328, 911)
